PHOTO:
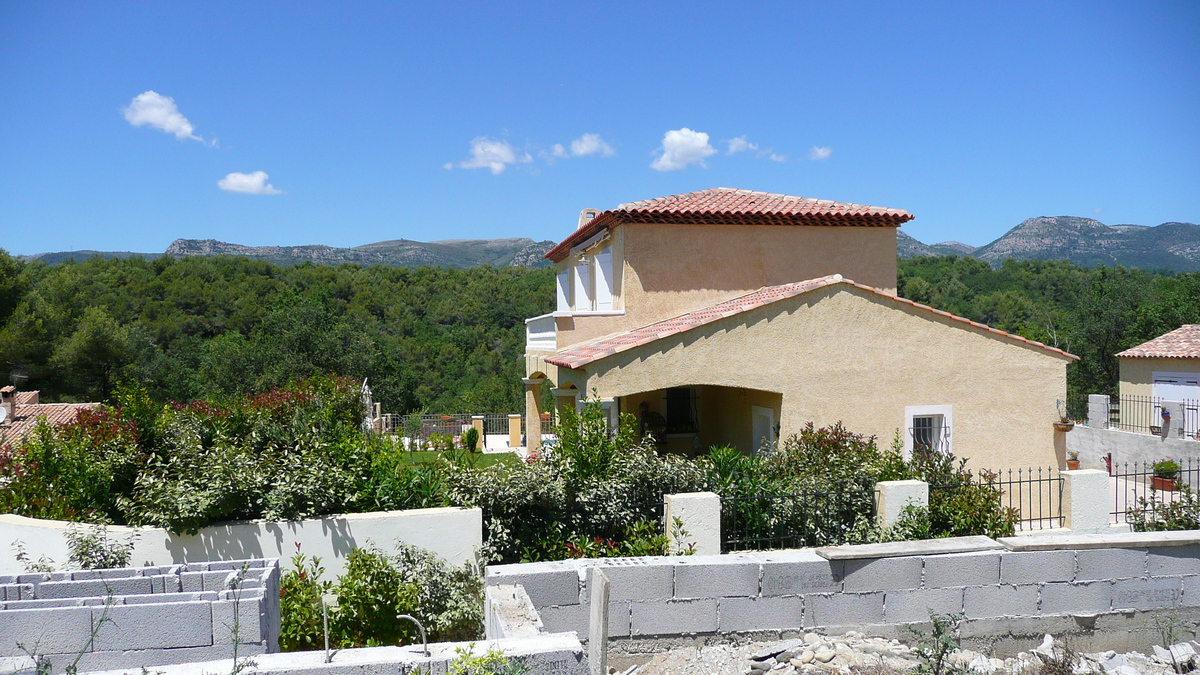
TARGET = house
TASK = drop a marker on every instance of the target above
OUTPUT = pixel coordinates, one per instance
(20, 412)
(732, 317)
(1166, 368)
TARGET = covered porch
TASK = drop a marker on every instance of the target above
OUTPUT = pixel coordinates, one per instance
(688, 420)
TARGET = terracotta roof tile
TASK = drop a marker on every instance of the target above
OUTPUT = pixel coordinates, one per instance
(1181, 343)
(577, 356)
(57, 414)
(730, 206)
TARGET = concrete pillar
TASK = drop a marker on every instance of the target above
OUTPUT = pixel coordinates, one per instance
(1085, 501)
(533, 412)
(514, 431)
(609, 406)
(477, 422)
(700, 513)
(1098, 411)
(598, 624)
(1174, 429)
(893, 495)
(564, 398)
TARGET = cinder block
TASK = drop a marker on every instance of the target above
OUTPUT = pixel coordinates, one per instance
(119, 573)
(1001, 600)
(1173, 561)
(154, 626)
(158, 598)
(35, 578)
(1036, 567)
(39, 604)
(560, 587)
(217, 581)
(1191, 592)
(249, 628)
(643, 580)
(800, 572)
(1090, 597)
(771, 613)
(564, 618)
(95, 588)
(250, 564)
(843, 609)
(962, 569)
(190, 582)
(1110, 563)
(85, 575)
(63, 630)
(915, 605)
(1161, 593)
(673, 617)
(716, 577)
(882, 574)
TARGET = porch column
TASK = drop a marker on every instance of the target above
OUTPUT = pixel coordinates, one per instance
(564, 398)
(533, 412)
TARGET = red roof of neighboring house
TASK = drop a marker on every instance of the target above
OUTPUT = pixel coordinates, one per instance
(582, 354)
(56, 414)
(730, 206)
(1181, 343)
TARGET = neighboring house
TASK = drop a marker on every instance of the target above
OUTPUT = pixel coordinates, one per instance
(21, 411)
(1166, 368)
(735, 317)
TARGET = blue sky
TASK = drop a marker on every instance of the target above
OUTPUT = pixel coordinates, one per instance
(428, 121)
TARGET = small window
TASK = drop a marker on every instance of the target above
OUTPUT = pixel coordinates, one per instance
(927, 429)
(681, 411)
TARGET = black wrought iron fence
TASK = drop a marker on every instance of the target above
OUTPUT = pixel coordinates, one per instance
(1138, 484)
(1035, 494)
(1077, 407)
(1142, 414)
(797, 520)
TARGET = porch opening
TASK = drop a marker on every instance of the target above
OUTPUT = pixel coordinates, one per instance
(689, 420)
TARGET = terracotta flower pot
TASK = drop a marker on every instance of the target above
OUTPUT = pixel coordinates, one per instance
(1072, 464)
(1064, 426)
(1164, 484)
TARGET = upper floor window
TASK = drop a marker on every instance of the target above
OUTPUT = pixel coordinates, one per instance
(587, 285)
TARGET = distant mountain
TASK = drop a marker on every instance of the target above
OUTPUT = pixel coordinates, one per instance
(80, 256)
(1083, 241)
(908, 247)
(458, 253)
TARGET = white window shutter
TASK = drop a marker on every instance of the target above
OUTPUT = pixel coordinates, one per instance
(583, 286)
(604, 280)
(564, 290)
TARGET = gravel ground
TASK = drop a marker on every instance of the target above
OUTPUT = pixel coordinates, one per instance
(815, 654)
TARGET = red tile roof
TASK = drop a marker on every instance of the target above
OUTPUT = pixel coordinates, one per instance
(1181, 343)
(730, 206)
(577, 356)
(56, 414)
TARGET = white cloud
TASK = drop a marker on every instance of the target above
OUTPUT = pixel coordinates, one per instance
(818, 153)
(777, 157)
(490, 153)
(160, 112)
(740, 144)
(590, 144)
(559, 151)
(248, 183)
(681, 147)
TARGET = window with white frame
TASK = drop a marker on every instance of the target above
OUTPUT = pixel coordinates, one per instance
(564, 289)
(928, 428)
(583, 285)
(604, 279)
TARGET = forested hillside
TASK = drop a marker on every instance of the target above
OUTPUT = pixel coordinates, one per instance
(447, 340)
(430, 338)
(1093, 313)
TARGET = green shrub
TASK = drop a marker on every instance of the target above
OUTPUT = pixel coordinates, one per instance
(300, 590)
(370, 595)
(1156, 515)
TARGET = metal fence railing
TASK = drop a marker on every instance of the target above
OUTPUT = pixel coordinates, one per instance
(423, 425)
(798, 520)
(1077, 407)
(1143, 414)
(1137, 483)
(1036, 494)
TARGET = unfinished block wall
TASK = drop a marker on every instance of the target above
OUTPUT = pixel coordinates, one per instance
(147, 616)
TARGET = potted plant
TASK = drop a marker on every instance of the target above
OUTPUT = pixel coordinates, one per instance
(1166, 475)
(1064, 422)
(1072, 460)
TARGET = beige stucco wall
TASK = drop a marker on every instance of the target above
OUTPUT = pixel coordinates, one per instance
(724, 415)
(1137, 375)
(844, 354)
(671, 269)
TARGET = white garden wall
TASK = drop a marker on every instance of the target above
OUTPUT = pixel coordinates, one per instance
(452, 533)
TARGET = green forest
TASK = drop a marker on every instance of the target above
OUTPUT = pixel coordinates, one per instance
(445, 340)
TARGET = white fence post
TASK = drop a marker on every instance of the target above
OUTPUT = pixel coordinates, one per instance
(1098, 411)
(700, 513)
(893, 495)
(1085, 501)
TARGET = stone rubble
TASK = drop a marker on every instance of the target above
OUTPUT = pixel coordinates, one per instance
(816, 654)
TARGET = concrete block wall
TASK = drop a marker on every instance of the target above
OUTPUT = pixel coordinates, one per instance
(791, 590)
(145, 616)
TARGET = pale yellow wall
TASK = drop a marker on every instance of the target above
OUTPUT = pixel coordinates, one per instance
(672, 269)
(724, 414)
(844, 354)
(1137, 375)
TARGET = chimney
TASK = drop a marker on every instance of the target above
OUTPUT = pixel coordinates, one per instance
(8, 401)
(586, 216)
